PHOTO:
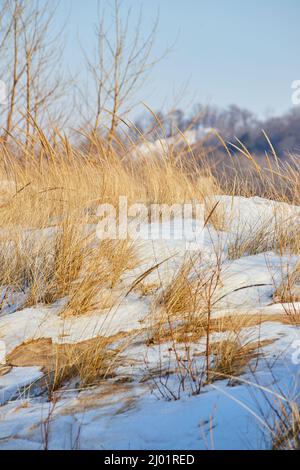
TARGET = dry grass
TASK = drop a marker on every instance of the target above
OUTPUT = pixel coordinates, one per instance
(167, 182)
(147, 288)
(120, 256)
(54, 276)
(57, 189)
(62, 186)
(289, 290)
(215, 212)
(231, 357)
(286, 425)
(62, 180)
(283, 236)
(180, 296)
(186, 331)
(251, 242)
(65, 262)
(88, 361)
(288, 237)
(102, 273)
(193, 289)
(90, 364)
(225, 359)
(191, 297)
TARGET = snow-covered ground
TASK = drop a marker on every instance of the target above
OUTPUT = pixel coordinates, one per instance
(163, 146)
(132, 413)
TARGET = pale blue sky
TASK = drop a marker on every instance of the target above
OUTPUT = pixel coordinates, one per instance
(226, 51)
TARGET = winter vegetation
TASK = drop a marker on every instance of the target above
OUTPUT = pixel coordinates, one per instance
(122, 343)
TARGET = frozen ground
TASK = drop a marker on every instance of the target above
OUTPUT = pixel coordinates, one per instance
(133, 414)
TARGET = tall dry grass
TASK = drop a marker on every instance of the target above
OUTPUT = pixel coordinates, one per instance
(48, 210)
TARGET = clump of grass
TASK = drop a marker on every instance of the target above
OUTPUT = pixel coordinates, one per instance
(120, 256)
(215, 212)
(231, 356)
(88, 361)
(84, 296)
(94, 288)
(248, 243)
(180, 296)
(43, 266)
(171, 181)
(26, 266)
(289, 290)
(65, 263)
(193, 288)
(54, 278)
(288, 237)
(286, 426)
(280, 233)
(193, 291)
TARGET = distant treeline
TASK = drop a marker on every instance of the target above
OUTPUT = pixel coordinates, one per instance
(283, 131)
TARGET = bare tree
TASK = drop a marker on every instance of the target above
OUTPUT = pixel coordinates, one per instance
(119, 67)
(12, 12)
(32, 54)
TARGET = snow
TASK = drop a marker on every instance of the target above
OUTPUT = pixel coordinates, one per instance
(162, 146)
(111, 416)
(135, 419)
(256, 276)
(243, 215)
(15, 382)
(45, 322)
(130, 312)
